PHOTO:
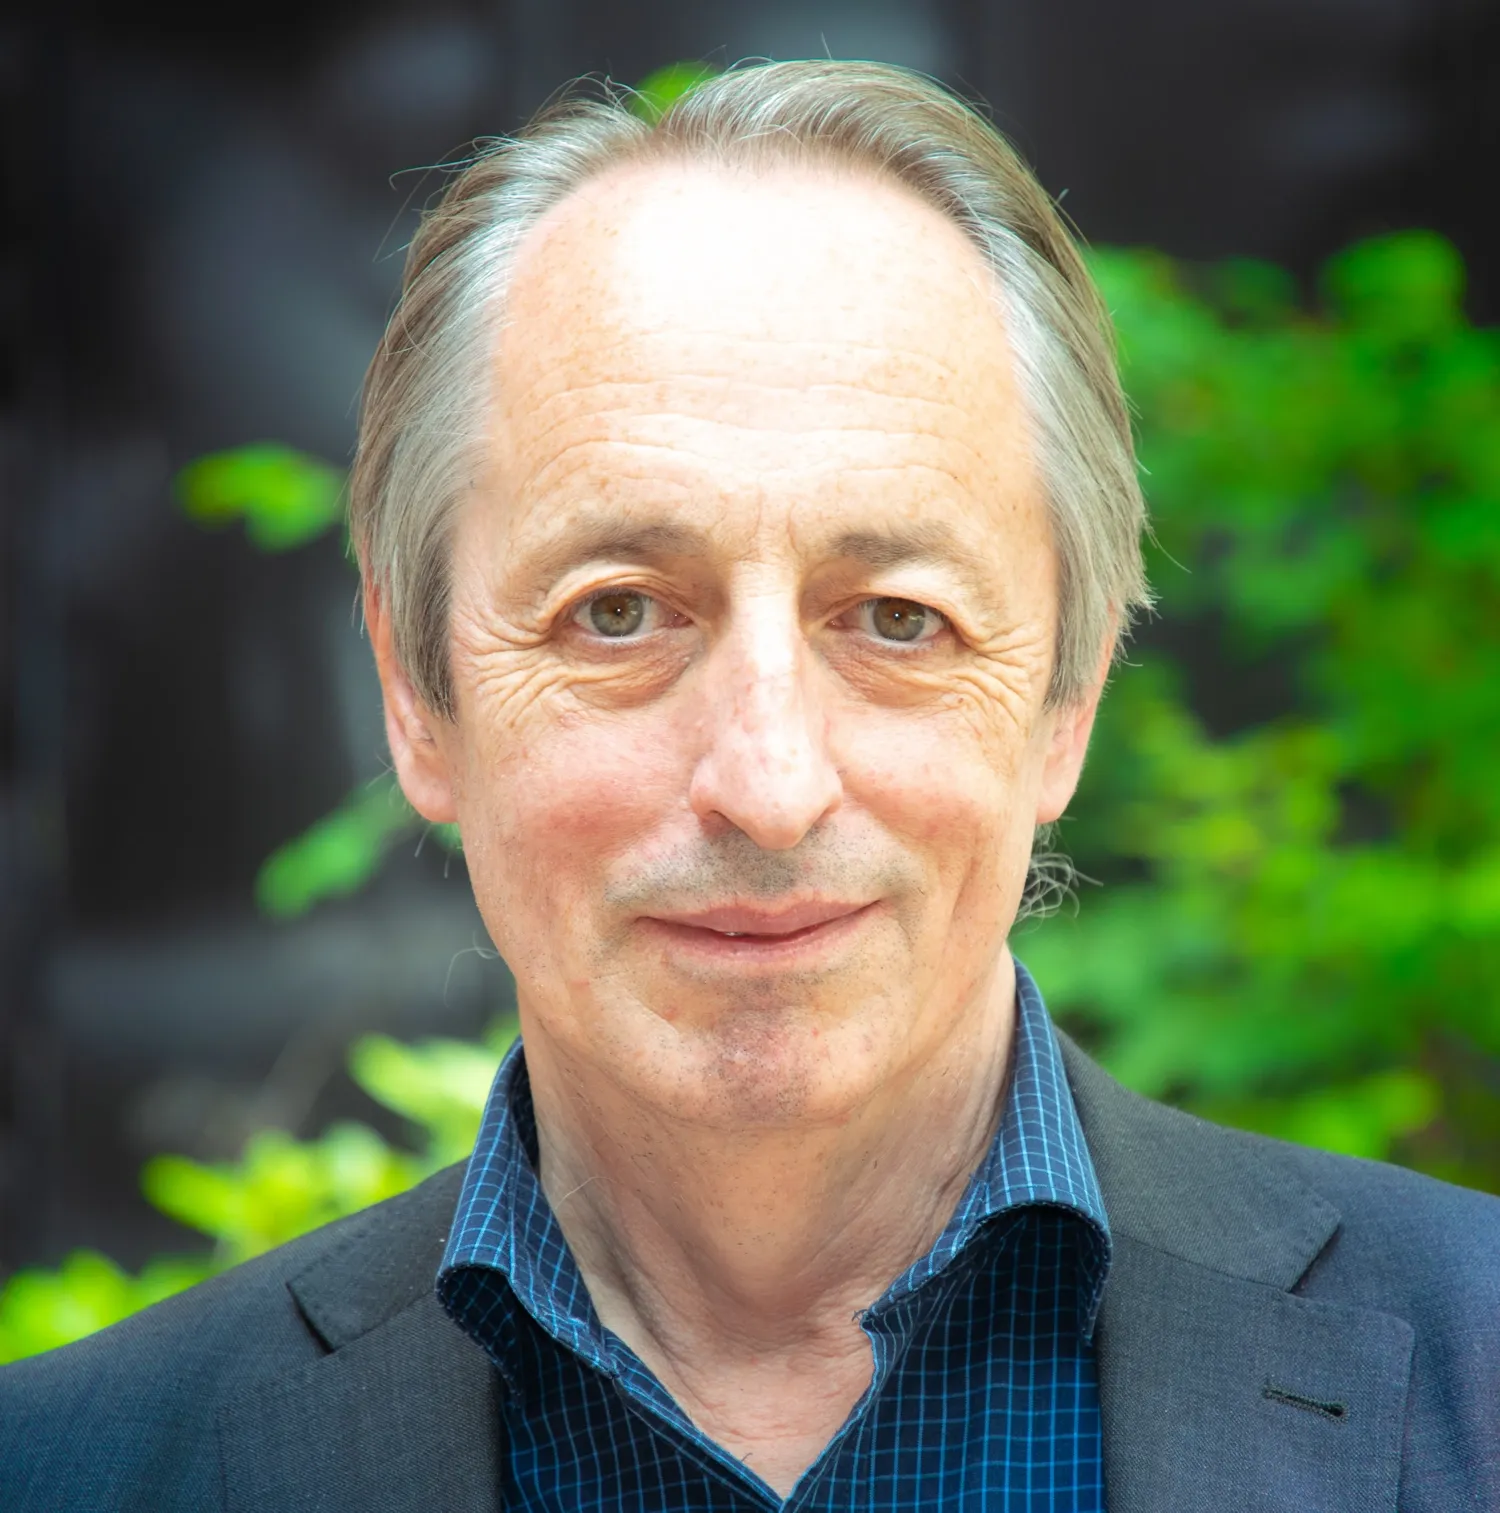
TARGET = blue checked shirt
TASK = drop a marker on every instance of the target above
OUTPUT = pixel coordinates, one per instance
(984, 1393)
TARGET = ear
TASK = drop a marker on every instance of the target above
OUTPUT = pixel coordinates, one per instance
(1068, 744)
(420, 740)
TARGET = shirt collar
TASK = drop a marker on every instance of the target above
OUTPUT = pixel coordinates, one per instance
(1038, 1159)
(504, 1223)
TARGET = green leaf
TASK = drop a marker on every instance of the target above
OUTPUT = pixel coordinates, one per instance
(1365, 1118)
(440, 1085)
(338, 854)
(284, 497)
(1408, 284)
(1255, 291)
(664, 87)
(40, 1310)
(280, 1188)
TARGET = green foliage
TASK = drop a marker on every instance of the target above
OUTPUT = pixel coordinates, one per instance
(285, 498)
(279, 1188)
(40, 1310)
(1301, 928)
(341, 852)
(659, 91)
(439, 1085)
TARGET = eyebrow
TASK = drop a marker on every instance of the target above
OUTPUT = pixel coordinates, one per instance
(931, 542)
(602, 539)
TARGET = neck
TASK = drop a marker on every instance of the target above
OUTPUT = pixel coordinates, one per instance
(733, 1262)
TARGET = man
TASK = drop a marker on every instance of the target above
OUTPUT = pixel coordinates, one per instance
(748, 519)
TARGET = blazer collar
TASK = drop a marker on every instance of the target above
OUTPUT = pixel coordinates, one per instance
(1207, 1195)
(402, 1412)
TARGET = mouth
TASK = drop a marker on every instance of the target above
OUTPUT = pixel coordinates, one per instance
(737, 932)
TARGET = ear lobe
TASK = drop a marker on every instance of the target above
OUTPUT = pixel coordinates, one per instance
(417, 736)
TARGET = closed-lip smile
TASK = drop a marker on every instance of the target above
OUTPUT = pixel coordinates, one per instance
(758, 925)
(758, 919)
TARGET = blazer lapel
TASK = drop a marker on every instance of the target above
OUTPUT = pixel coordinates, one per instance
(1220, 1387)
(403, 1417)
(402, 1412)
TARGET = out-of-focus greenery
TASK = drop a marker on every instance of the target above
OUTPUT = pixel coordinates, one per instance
(284, 498)
(279, 1188)
(657, 91)
(341, 852)
(1301, 931)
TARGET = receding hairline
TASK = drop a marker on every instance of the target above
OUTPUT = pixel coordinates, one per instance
(571, 316)
(747, 161)
(624, 190)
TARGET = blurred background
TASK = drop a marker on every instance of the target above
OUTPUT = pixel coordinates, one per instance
(1292, 810)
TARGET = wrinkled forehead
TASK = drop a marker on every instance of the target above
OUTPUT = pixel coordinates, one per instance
(787, 277)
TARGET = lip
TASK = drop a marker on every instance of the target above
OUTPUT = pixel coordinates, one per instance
(744, 938)
(741, 920)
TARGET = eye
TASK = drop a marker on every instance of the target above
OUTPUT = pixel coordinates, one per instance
(618, 613)
(899, 620)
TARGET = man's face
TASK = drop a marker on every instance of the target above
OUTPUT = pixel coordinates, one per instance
(753, 619)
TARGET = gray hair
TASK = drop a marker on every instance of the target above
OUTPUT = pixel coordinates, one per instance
(426, 395)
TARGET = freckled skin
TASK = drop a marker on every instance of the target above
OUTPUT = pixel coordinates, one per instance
(764, 363)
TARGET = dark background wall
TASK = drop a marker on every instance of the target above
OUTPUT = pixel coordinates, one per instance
(205, 220)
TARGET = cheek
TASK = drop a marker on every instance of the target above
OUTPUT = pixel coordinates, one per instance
(961, 794)
(543, 816)
(950, 787)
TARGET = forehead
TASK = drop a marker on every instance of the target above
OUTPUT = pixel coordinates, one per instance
(811, 326)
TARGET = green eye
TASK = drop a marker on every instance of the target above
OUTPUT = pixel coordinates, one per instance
(902, 619)
(617, 614)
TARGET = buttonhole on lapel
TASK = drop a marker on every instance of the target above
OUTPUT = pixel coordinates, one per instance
(1296, 1400)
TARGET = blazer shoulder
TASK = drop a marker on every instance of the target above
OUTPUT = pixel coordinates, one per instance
(1228, 1198)
(1404, 1236)
(1400, 1240)
(135, 1404)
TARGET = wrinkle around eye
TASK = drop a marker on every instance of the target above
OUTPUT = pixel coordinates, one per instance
(516, 687)
(509, 685)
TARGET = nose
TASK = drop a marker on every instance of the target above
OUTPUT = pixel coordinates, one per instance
(765, 766)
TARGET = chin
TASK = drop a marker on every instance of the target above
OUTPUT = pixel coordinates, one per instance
(758, 1066)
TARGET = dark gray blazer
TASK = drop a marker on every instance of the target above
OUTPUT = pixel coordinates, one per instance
(1282, 1330)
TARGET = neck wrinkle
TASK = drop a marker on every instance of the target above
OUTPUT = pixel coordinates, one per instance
(796, 1232)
